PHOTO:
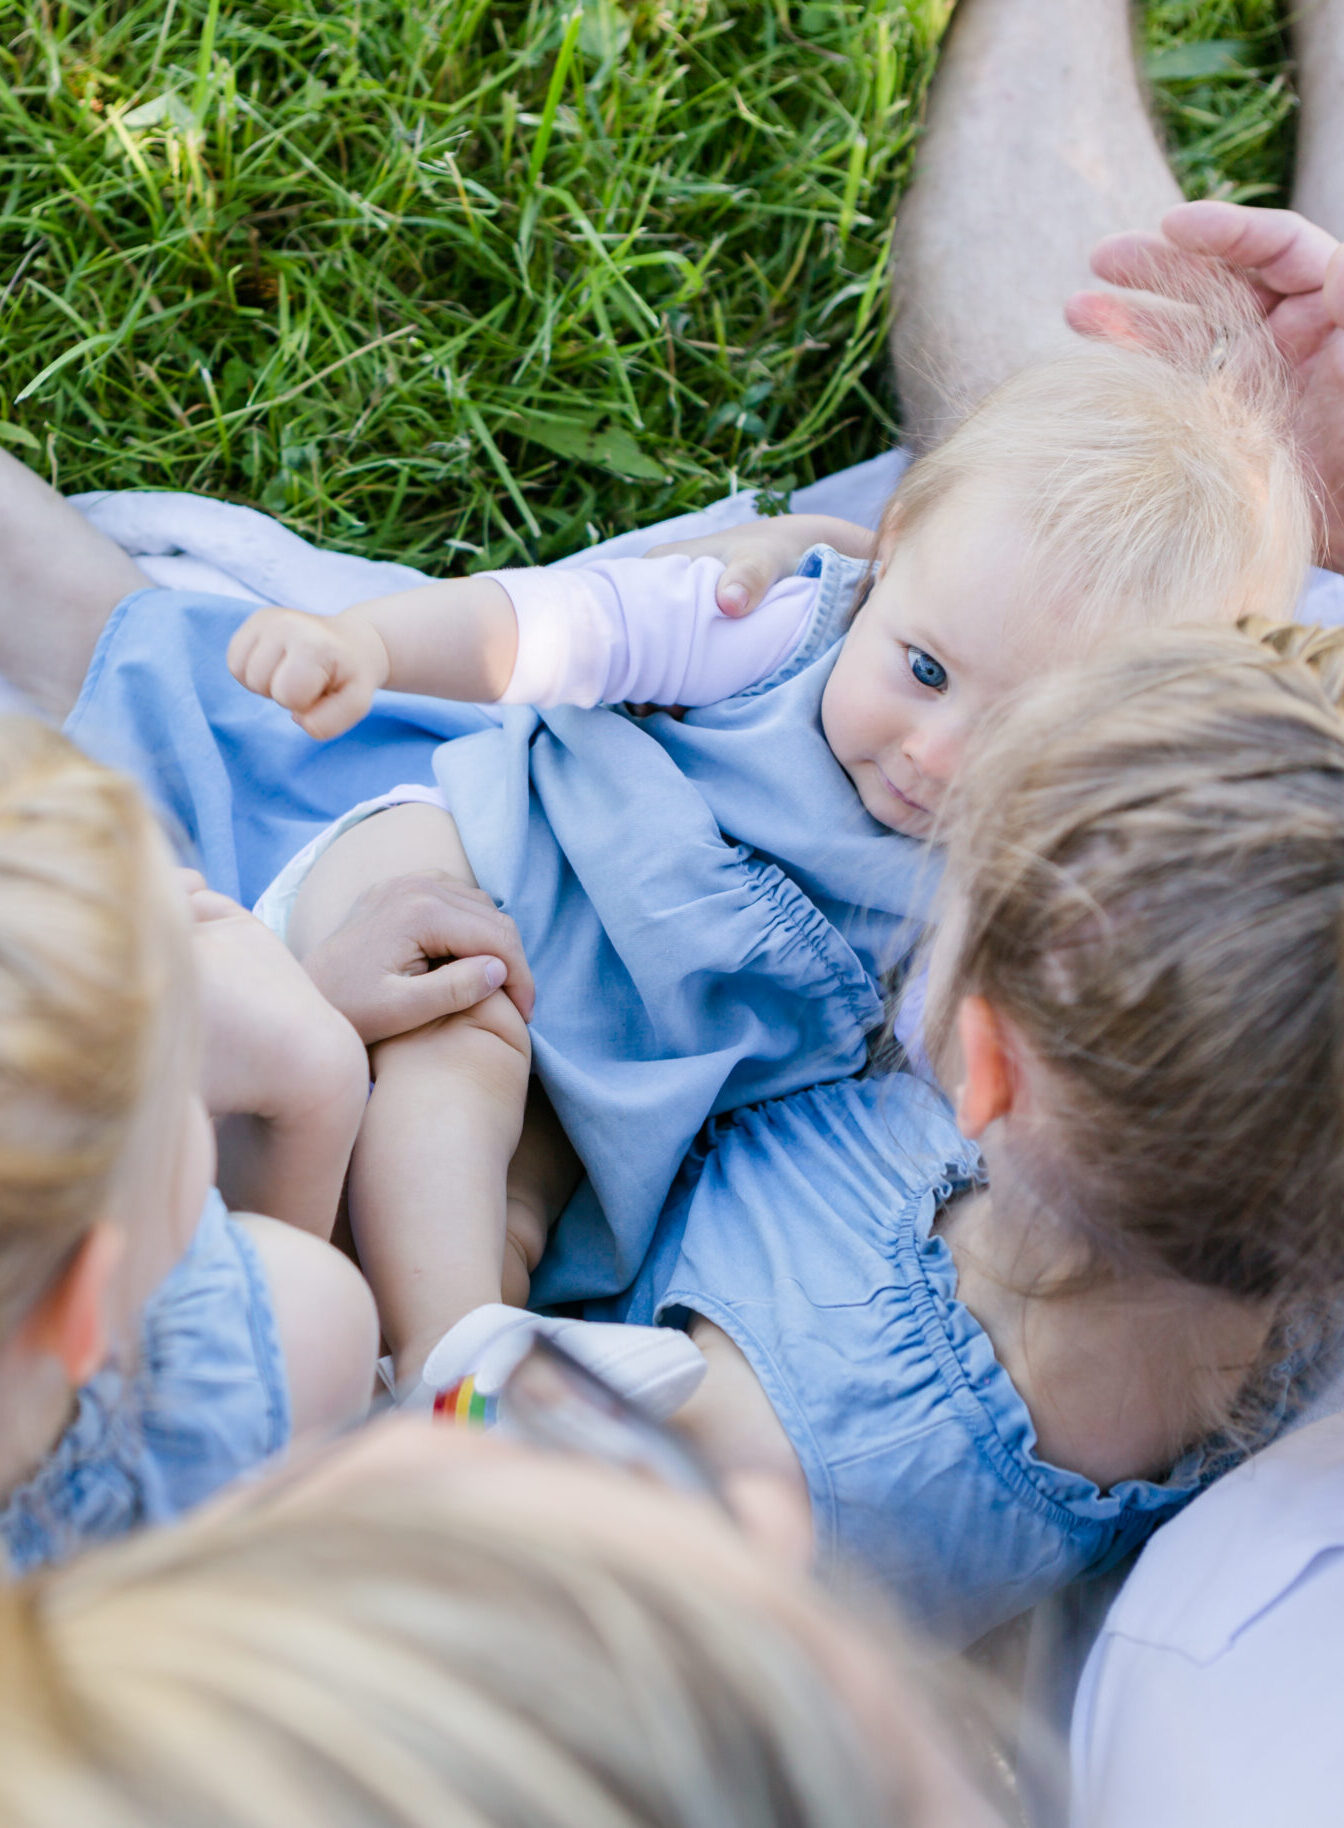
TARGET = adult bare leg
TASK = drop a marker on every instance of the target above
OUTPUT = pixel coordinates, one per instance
(1038, 144)
(59, 582)
(1318, 181)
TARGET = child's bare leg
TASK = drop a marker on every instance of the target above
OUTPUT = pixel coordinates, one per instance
(542, 1175)
(427, 1179)
(429, 1210)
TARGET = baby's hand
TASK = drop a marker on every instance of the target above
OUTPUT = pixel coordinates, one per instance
(323, 669)
(759, 553)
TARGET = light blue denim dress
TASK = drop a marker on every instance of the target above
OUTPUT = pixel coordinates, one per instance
(706, 905)
(208, 1400)
(804, 1228)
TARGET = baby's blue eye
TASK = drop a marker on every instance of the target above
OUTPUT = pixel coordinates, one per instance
(928, 671)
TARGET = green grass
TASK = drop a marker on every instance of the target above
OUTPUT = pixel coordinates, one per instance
(443, 279)
(1222, 76)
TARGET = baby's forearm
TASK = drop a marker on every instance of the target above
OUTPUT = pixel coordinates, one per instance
(454, 639)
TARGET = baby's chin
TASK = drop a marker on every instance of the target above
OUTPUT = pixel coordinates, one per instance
(891, 808)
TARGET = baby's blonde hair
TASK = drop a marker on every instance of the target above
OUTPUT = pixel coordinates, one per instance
(1145, 877)
(85, 966)
(390, 1658)
(1151, 488)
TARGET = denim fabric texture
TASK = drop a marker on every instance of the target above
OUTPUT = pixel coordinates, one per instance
(706, 905)
(208, 1400)
(804, 1228)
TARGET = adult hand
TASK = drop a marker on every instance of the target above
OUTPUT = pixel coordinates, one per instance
(758, 553)
(383, 966)
(1296, 272)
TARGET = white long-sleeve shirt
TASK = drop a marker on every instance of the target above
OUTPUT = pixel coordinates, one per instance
(1213, 1694)
(644, 631)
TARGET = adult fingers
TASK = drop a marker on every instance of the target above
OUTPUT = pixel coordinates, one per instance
(1288, 252)
(447, 990)
(747, 575)
(1150, 263)
(1332, 291)
(744, 582)
(1299, 322)
(446, 918)
(1133, 320)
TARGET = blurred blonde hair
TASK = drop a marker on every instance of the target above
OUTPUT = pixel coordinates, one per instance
(387, 1658)
(88, 965)
(1145, 876)
(1319, 649)
(1152, 487)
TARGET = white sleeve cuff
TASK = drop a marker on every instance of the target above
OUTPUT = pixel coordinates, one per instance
(562, 656)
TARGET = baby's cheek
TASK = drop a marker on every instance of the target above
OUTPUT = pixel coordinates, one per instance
(842, 711)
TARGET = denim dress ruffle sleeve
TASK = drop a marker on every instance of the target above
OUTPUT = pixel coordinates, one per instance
(207, 1401)
(804, 1229)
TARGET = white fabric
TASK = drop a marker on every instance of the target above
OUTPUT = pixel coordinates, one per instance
(659, 1368)
(190, 542)
(1214, 1691)
(647, 631)
(215, 548)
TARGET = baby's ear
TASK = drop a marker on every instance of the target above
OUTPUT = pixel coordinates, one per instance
(988, 1076)
(70, 1322)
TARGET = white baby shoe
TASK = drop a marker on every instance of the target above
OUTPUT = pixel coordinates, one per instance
(656, 1367)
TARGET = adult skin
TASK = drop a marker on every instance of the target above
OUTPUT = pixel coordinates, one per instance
(1039, 170)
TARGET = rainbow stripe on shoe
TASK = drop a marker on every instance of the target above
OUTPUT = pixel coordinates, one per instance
(462, 1402)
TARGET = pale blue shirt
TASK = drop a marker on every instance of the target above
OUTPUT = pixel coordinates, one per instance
(1214, 1692)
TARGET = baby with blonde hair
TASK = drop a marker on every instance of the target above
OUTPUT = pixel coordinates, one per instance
(709, 905)
(151, 1347)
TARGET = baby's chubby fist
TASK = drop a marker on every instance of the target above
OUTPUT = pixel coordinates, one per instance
(324, 670)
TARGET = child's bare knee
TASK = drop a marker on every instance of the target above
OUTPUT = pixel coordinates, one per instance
(326, 1322)
(489, 1038)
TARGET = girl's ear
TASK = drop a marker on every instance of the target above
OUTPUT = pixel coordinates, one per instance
(70, 1322)
(987, 1077)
